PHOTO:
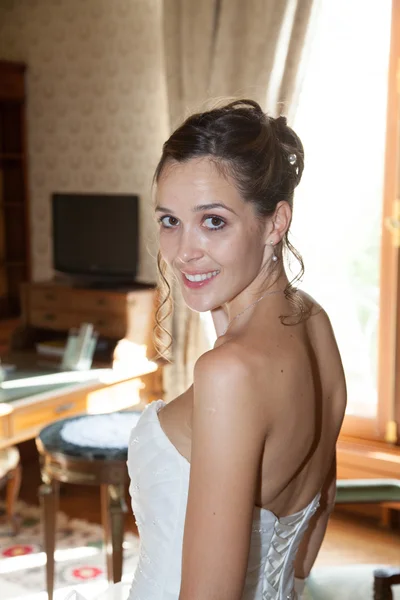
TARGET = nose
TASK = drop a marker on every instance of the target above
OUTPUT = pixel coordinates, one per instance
(189, 247)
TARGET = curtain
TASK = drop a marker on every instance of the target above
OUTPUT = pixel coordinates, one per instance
(189, 28)
(217, 49)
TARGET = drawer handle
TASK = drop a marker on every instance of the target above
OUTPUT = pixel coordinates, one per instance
(64, 407)
(49, 317)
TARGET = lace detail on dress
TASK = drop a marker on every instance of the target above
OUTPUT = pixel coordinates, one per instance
(284, 543)
(282, 539)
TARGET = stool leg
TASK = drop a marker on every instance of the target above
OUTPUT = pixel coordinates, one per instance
(48, 493)
(12, 492)
(112, 509)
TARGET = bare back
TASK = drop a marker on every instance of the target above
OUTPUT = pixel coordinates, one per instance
(300, 368)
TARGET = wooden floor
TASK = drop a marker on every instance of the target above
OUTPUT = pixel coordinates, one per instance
(349, 540)
(356, 540)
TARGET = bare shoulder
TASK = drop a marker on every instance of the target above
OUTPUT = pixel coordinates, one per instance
(224, 368)
(227, 376)
(323, 339)
(236, 362)
(318, 323)
(223, 361)
(313, 307)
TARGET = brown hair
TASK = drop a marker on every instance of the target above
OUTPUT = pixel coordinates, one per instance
(263, 155)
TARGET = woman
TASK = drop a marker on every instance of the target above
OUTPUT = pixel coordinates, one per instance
(232, 483)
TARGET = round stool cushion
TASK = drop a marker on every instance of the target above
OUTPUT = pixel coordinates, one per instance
(9, 460)
(104, 437)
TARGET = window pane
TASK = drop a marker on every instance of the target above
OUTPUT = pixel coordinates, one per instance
(341, 119)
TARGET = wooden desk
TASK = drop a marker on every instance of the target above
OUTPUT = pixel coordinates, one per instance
(27, 405)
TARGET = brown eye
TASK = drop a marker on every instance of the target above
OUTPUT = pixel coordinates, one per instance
(169, 221)
(214, 223)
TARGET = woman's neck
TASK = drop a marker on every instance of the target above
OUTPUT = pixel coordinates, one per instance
(246, 303)
(254, 292)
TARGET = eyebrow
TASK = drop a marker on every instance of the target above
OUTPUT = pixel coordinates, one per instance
(198, 208)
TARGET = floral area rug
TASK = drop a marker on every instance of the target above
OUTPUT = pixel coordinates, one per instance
(80, 561)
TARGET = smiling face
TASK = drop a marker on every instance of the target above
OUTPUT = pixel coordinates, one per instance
(209, 236)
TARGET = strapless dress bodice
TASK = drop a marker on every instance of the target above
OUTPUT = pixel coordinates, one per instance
(159, 491)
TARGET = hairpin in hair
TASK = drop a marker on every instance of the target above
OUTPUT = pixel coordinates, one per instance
(292, 158)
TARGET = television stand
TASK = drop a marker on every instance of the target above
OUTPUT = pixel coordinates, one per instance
(53, 308)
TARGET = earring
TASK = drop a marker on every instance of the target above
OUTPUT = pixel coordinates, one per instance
(274, 256)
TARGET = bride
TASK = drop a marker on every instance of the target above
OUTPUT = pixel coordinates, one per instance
(232, 483)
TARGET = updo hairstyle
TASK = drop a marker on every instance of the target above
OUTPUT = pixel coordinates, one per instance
(265, 159)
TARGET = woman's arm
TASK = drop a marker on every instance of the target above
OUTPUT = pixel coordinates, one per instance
(313, 537)
(227, 444)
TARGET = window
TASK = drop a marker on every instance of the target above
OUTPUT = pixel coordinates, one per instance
(341, 119)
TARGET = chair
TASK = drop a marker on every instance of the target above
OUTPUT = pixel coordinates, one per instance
(10, 476)
(92, 450)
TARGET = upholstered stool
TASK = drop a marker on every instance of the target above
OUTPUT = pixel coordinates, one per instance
(10, 476)
(92, 450)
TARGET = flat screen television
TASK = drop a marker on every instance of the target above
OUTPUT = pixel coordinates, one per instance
(96, 236)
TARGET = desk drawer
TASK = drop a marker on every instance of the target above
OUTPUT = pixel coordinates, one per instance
(95, 301)
(113, 326)
(53, 319)
(106, 324)
(49, 298)
(42, 413)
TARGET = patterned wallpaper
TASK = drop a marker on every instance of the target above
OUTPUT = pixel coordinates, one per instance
(96, 105)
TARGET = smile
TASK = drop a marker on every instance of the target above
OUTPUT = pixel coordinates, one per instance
(200, 276)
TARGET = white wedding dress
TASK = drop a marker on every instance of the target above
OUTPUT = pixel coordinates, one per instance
(159, 489)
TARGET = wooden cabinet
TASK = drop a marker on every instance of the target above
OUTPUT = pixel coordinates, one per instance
(56, 307)
(14, 230)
